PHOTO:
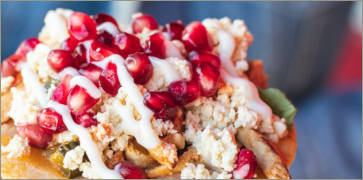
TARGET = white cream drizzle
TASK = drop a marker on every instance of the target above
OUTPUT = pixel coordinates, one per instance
(86, 142)
(142, 130)
(109, 27)
(86, 84)
(87, 45)
(32, 83)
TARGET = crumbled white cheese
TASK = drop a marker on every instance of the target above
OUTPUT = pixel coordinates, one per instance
(191, 171)
(24, 107)
(166, 71)
(55, 30)
(73, 158)
(280, 129)
(102, 134)
(6, 83)
(63, 137)
(226, 111)
(246, 118)
(163, 127)
(216, 147)
(17, 147)
(88, 172)
(238, 31)
(37, 60)
(199, 171)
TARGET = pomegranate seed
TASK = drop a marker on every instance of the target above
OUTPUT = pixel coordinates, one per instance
(245, 165)
(61, 92)
(35, 135)
(59, 59)
(195, 36)
(92, 72)
(86, 120)
(162, 103)
(156, 45)
(174, 29)
(81, 26)
(79, 101)
(8, 66)
(105, 38)
(143, 21)
(129, 170)
(79, 56)
(139, 67)
(69, 44)
(197, 57)
(99, 51)
(26, 46)
(50, 121)
(109, 79)
(184, 92)
(126, 44)
(102, 17)
(208, 77)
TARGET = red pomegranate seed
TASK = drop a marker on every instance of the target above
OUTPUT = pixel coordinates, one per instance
(26, 46)
(60, 94)
(92, 72)
(174, 29)
(81, 26)
(69, 44)
(35, 135)
(245, 165)
(86, 120)
(195, 36)
(143, 21)
(102, 17)
(79, 56)
(162, 103)
(156, 45)
(105, 38)
(126, 44)
(109, 79)
(197, 57)
(50, 121)
(139, 67)
(184, 92)
(99, 51)
(208, 77)
(59, 59)
(129, 170)
(79, 101)
(8, 66)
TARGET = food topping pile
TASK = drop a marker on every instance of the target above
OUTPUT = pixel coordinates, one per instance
(144, 100)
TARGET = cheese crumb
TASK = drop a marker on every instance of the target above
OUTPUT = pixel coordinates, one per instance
(37, 60)
(163, 127)
(166, 71)
(17, 147)
(217, 147)
(73, 158)
(199, 171)
(6, 83)
(55, 30)
(88, 172)
(23, 108)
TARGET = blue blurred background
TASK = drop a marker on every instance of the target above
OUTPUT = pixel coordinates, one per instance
(311, 50)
